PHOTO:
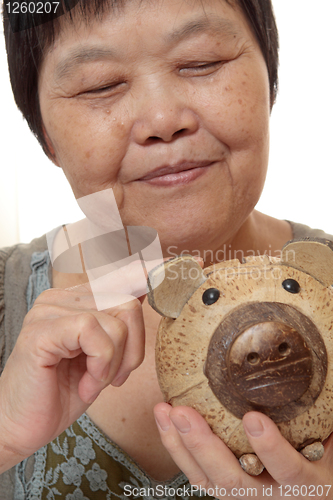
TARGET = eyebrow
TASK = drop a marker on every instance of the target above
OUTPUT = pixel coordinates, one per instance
(85, 54)
(216, 25)
(80, 56)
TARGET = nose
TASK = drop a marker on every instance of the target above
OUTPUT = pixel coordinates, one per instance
(163, 115)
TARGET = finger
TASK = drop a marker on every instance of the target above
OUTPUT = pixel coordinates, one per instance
(67, 337)
(212, 455)
(213, 458)
(116, 331)
(285, 464)
(173, 443)
(132, 316)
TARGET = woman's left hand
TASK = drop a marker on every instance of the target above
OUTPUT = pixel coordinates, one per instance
(208, 463)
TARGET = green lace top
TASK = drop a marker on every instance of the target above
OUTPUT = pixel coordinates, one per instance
(83, 464)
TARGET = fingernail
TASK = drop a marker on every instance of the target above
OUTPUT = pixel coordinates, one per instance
(162, 420)
(181, 423)
(254, 426)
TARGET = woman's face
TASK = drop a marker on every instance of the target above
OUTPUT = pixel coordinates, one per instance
(167, 102)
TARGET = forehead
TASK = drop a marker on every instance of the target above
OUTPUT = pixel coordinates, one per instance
(167, 20)
(87, 9)
(89, 12)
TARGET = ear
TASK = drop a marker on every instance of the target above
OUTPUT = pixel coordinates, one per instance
(182, 276)
(313, 256)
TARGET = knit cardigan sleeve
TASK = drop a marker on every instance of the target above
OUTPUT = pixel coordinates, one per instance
(4, 255)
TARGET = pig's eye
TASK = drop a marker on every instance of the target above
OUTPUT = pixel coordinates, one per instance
(210, 296)
(291, 286)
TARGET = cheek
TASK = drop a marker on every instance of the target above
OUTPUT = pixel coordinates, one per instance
(242, 113)
(243, 117)
(89, 145)
(238, 108)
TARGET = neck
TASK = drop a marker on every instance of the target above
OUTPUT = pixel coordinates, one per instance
(259, 235)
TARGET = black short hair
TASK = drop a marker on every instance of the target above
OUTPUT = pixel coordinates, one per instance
(28, 36)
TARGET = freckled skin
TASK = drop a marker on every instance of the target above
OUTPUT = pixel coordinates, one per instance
(162, 113)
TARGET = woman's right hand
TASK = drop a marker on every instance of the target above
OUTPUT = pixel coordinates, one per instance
(65, 355)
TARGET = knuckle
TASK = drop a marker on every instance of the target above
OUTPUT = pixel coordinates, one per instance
(32, 328)
(121, 329)
(48, 296)
(86, 321)
(31, 316)
(33, 339)
(117, 330)
(201, 481)
(133, 307)
(42, 342)
(136, 305)
(38, 311)
(194, 445)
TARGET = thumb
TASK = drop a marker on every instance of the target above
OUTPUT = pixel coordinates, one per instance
(285, 464)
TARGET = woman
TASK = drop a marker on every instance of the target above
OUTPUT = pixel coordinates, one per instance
(168, 104)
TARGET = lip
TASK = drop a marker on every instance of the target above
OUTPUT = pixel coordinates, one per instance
(179, 173)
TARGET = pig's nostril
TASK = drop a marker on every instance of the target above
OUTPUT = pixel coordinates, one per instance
(253, 358)
(284, 349)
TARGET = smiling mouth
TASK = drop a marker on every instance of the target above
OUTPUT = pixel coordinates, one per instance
(181, 173)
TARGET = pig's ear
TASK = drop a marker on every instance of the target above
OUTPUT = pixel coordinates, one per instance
(313, 256)
(182, 276)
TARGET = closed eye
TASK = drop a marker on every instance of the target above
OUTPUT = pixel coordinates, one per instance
(202, 68)
(104, 90)
(99, 91)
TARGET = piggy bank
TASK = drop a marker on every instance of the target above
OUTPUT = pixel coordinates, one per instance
(251, 335)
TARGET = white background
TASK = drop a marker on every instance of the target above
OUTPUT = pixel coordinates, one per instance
(35, 197)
